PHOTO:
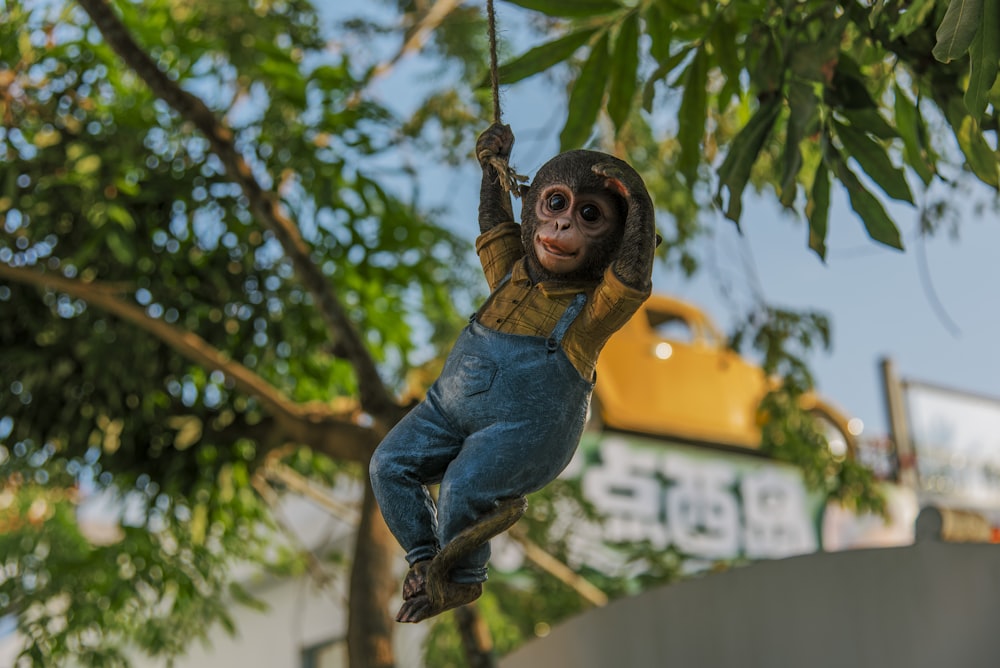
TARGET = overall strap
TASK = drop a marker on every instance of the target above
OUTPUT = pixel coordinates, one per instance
(568, 316)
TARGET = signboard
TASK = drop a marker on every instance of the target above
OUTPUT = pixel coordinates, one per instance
(956, 443)
(707, 505)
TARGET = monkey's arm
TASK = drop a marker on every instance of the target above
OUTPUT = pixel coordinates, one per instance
(494, 202)
(634, 262)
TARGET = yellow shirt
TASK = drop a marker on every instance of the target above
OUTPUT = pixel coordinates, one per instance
(520, 307)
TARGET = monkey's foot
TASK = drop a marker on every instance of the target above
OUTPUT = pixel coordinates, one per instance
(416, 579)
(427, 591)
(419, 607)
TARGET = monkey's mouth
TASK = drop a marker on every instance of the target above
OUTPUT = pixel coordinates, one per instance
(555, 249)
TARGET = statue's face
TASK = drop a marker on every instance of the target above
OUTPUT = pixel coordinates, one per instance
(571, 227)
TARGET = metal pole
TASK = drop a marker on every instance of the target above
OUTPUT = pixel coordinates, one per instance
(899, 430)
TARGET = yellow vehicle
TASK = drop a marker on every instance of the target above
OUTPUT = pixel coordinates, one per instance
(668, 372)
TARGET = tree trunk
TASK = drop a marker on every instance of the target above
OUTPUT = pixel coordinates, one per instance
(373, 585)
(476, 639)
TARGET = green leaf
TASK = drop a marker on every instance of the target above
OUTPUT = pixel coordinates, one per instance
(542, 57)
(816, 61)
(88, 164)
(658, 27)
(121, 246)
(724, 50)
(586, 97)
(871, 121)
(980, 157)
(908, 123)
(287, 77)
(624, 69)
(875, 161)
(121, 215)
(766, 74)
(977, 152)
(743, 151)
(876, 221)
(848, 90)
(802, 104)
(818, 210)
(984, 57)
(243, 596)
(691, 116)
(911, 19)
(574, 9)
(660, 73)
(330, 77)
(957, 29)
(875, 13)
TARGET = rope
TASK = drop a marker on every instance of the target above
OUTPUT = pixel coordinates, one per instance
(494, 72)
(510, 180)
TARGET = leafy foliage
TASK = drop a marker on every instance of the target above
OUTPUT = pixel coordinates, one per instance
(792, 430)
(153, 587)
(791, 93)
(107, 187)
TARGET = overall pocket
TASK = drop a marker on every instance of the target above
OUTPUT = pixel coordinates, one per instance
(473, 375)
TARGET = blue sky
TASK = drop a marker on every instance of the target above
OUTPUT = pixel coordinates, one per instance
(937, 321)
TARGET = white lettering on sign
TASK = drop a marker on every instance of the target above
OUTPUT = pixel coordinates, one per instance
(700, 506)
(706, 509)
(775, 518)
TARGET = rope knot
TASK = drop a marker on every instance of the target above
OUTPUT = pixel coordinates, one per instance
(510, 180)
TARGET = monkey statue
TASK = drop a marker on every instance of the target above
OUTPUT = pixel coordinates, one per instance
(507, 412)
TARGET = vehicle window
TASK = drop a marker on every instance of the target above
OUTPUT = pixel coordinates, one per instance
(670, 326)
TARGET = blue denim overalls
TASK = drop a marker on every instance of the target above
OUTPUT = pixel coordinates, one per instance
(502, 421)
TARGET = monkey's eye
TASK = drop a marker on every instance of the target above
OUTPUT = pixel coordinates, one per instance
(557, 202)
(590, 213)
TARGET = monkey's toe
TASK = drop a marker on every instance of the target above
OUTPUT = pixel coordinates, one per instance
(416, 579)
(415, 609)
(420, 607)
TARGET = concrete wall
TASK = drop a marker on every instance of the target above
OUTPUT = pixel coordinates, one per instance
(932, 604)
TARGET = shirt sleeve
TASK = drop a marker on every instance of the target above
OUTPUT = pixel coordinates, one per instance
(613, 304)
(499, 249)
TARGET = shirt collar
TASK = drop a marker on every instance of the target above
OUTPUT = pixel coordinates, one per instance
(550, 288)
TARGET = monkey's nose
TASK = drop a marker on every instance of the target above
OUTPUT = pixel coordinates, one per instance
(563, 223)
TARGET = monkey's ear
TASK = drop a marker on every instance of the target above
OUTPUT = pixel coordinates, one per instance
(615, 177)
(659, 240)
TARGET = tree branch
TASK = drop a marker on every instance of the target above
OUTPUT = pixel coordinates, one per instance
(314, 566)
(418, 33)
(538, 556)
(375, 398)
(301, 485)
(313, 424)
